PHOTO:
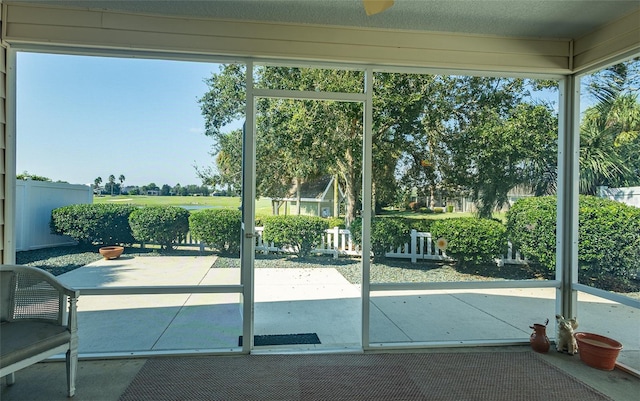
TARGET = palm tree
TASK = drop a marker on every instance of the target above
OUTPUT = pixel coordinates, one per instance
(121, 179)
(609, 135)
(98, 181)
(112, 180)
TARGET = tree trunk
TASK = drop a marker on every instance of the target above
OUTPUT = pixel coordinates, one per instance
(298, 197)
(349, 175)
(336, 197)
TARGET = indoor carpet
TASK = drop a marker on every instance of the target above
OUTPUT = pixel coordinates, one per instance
(352, 377)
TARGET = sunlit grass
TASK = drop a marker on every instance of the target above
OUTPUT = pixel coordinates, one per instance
(263, 205)
(502, 216)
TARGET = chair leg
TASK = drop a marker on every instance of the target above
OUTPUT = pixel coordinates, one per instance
(11, 378)
(72, 368)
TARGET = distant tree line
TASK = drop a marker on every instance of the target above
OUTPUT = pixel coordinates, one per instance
(167, 190)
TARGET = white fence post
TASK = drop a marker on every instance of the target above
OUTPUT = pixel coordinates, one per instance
(413, 249)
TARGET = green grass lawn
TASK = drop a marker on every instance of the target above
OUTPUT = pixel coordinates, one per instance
(437, 216)
(263, 205)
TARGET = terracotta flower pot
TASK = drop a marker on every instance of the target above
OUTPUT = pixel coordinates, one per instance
(598, 351)
(111, 252)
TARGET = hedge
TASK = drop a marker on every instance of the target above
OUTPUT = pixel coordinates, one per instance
(608, 238)
(88, 224)
(472, 241)
(302, 233)
(164, 225)
(531, 228)
(218, 228)
(386, 233)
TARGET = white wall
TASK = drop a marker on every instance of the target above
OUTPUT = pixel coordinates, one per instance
(627, 195)
(34, 202)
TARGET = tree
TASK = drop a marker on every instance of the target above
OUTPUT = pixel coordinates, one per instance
(27, 176)
(121, 179)
(426, 129)
(149, 187)
(610, 130)
(301, 140)
(97, 182)
(165, 190)
(112, 180)
(502, 152)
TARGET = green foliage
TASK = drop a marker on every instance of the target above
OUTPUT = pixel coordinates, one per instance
(498, 152)
(27, 176)
(164, 225)
(336, 222)
(608, 238)
(609, 243)
(218, 228)
(531, 227)
(472, 241)
(94, 223)
(386, 233)
(420, 225)
(302, 233)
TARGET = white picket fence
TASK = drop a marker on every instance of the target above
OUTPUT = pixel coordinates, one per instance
(338, 242)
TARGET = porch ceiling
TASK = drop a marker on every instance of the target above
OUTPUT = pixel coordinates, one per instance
(558, 19)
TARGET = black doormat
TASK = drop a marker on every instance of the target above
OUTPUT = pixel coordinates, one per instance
(283, 339)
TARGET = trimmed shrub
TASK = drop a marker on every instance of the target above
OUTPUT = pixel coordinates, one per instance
(218, 228)
(608, 238)
(420, 225)
(386, 233)
(531, 228)
(164, 225)
(94, 223)
(336, 222)
(472, 241)
(438, 210)
(609, 243)
(302, 233)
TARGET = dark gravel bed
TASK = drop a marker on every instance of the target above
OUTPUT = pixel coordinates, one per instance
(387, 271)
(60, 260)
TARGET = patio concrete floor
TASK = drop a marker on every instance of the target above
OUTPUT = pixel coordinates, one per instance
(306, 300)
(301, 301)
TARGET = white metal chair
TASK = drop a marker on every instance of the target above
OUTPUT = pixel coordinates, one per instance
(35, 322)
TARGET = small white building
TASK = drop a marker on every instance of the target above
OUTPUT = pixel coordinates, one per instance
(313, 198)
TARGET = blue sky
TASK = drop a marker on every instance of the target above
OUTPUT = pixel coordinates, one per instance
(83, 117)
(79, 118)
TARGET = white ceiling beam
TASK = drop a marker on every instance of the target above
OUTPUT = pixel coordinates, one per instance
(44, 24)
(612, 40)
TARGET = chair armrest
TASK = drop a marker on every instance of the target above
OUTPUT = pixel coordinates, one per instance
(37, 294)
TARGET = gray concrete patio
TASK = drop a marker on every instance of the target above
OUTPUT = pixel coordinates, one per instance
(309, 300)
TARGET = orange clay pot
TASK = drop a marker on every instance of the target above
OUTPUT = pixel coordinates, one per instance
(111, 252)
(598, 351)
